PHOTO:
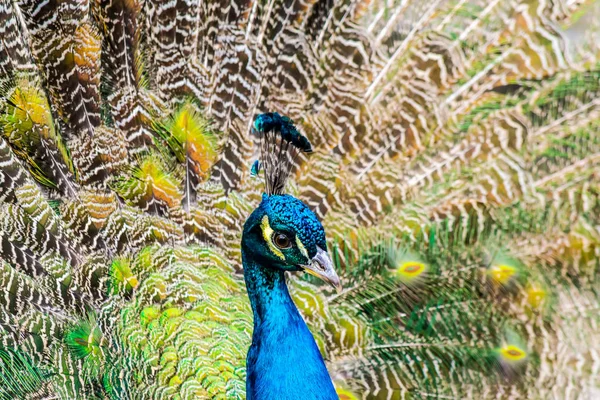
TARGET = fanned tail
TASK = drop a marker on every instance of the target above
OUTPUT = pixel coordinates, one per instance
(454, 167)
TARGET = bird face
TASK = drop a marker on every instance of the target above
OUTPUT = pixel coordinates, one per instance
(284, 233)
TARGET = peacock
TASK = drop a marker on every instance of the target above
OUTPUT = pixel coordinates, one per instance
(282, 199)
(282, 234)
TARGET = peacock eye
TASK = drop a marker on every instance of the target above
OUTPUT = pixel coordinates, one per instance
(281, 240)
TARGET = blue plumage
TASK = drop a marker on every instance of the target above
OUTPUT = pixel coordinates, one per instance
(255, 168)
(284, 361)
(287, 212)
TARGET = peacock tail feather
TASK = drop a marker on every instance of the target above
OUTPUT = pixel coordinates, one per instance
(456, 150)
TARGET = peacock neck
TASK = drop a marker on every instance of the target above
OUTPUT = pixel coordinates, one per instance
(283, 361)
(268, 293)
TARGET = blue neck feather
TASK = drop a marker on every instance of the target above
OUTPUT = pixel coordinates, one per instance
(284, 361)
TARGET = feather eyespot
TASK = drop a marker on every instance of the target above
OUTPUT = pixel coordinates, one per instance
(281, 240)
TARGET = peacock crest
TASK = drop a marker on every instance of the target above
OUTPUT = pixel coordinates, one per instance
(280, 144)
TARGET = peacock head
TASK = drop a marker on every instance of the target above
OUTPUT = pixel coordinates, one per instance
(282, 232)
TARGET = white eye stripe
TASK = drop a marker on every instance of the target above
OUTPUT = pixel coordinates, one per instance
(302, 248)
(267, 233)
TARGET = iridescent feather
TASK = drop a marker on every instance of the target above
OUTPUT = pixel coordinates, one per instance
(454, 156)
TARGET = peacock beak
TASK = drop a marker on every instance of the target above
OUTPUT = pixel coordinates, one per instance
(321, 266)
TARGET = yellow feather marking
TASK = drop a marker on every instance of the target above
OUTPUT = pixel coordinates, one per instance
(302, 248)
(87, 49)
(267, 232)
(133, 282)
(535, 295)
(408, 271)
(502, 273)
(193, 132)
(27, 120)
(344, 394)
(412, 268)
(30, 115)
(163, 185)
(512, 353)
